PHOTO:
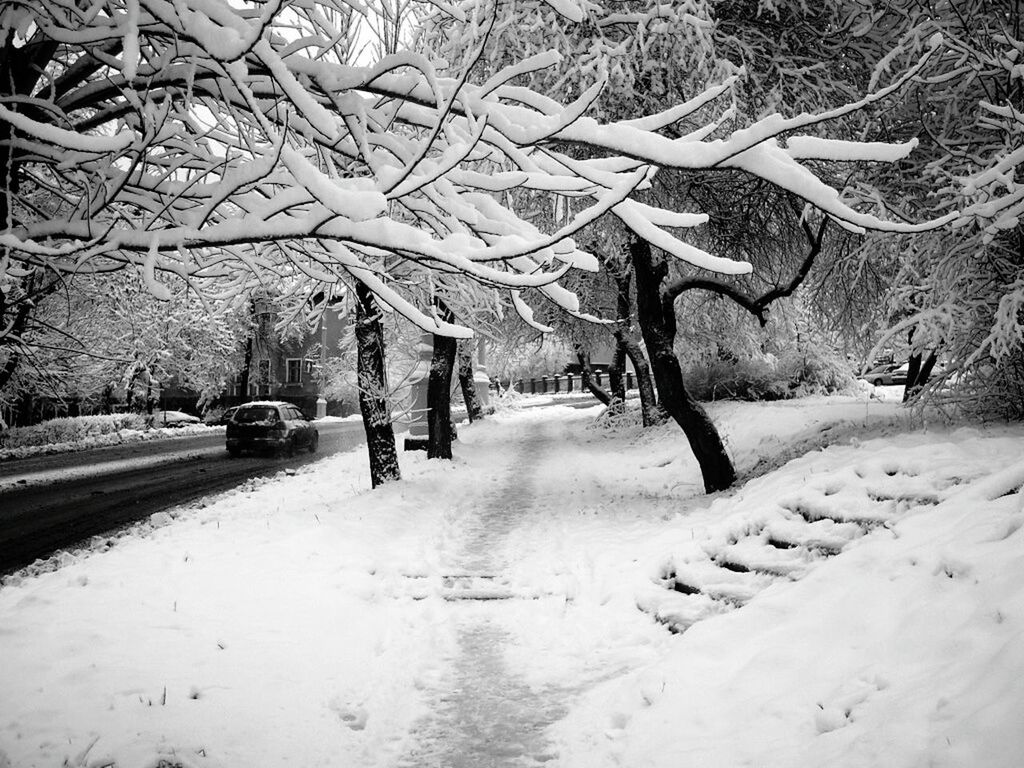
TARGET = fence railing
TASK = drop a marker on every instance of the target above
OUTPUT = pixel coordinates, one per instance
(562, 383)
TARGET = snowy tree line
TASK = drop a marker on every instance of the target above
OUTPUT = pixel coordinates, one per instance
(207, 152)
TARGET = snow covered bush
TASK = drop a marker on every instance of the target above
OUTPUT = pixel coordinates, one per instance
(794, 374)
(74, 429)
(747, 379)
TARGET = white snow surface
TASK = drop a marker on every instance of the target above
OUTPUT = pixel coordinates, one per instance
(306, 620)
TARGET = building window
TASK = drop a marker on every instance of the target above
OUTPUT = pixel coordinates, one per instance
(294, 371)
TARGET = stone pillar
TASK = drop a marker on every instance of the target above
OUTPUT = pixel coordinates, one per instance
(481, 381)
(419, 430)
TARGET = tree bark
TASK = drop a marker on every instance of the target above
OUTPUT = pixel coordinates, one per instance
(617, 374)
(587, 377)
(243, 382)
(918, 372)
(373, 404)
(658, 325)
(623, 317)
(466, 384)
(439, 388)
(650, 411)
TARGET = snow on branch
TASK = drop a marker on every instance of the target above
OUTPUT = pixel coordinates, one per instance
(69, 140)
(203, 138)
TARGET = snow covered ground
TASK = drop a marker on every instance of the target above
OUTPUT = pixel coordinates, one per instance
(557, 595)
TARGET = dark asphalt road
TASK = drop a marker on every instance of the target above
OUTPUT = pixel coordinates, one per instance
(52, 502)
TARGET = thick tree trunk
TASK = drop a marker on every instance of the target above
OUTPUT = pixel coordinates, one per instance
(439, 389)
(373, 404)
(918, 373)
(657, 323)
(587, 377)
(466, 384)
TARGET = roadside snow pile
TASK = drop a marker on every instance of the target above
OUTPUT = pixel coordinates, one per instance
(81, 432)
(905, 651)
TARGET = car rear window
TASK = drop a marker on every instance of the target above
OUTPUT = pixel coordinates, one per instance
(253, 415)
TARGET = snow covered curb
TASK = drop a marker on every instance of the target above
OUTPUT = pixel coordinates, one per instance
(119, 437)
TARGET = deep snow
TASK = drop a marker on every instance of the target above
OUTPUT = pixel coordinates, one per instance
(305, 620)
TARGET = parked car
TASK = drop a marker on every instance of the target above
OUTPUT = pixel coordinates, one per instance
(219, 420)
(270, 426)
(887, 374)
(173, 419)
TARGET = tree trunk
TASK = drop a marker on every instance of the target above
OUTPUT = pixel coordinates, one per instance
(650, 411)
(587, 377)
(623, 317)
(617, 374)
(918, 373)
(439, 388)
(373, 403)
(466, 384)
(243, 380)
(657, 323)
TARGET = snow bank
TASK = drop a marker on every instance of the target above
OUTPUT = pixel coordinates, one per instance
(904, 651)
(79, 433)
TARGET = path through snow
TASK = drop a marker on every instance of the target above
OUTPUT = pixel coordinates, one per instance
(494, 707)
(487, 715)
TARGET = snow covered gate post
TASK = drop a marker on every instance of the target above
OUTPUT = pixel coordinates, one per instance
(418, 408)
(481, 381)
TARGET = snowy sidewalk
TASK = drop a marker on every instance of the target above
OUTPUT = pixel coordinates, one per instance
(487, 715)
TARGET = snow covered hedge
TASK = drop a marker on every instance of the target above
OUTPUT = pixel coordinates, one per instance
(71, 430)
(768, 378)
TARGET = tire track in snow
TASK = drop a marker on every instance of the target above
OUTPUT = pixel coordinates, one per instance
(488, 717)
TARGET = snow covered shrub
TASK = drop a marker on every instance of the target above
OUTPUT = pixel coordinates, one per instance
(984, 391)
(769, 378)
(71, 430)
(816, 372)
(619, 419)
(507, 400)
(736, 380)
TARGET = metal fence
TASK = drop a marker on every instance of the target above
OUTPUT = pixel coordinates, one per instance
(562, 383)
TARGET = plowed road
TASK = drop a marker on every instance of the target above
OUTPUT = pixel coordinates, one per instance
(51, 502)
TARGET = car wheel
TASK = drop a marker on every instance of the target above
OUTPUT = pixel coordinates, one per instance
(314, 442)
(289, 447)
(875, 382)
